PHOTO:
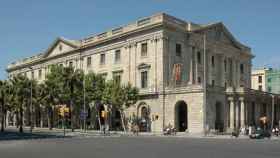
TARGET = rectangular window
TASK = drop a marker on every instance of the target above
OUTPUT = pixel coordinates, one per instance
(40, 74)
(102, 59)
(213, 82)
(199, 79)
(260, 79)
(260, 87)
(32, 74)
(213, 61)
(241, 68)
(70, 64)
(198, 57)
(88, 61)
(178, 50)
(144, 79)
(225, 65)
(144, 49)
(117, 56)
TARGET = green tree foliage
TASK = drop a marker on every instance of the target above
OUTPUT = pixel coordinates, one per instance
(66, 85)
(5, 100)
(94, 85)
(21, 90)
(119, 97)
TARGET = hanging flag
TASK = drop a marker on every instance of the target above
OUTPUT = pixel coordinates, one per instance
(177, 69)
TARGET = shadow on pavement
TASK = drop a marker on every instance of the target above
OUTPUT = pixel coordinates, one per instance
(14, 135)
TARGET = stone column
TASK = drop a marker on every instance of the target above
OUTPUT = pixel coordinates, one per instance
(191, 68)
(195, 73)
(231, 113)
(242, 112)
(237, 119)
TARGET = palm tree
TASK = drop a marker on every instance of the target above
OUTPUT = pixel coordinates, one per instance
(72, 81)
(21, 90)
(4, 99)
(120, 97)
(94, 87)
(51, 93)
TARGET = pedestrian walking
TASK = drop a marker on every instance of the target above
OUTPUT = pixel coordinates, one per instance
(250, 130)
(277, 131)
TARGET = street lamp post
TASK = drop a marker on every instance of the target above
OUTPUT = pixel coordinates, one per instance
(204, 84)
(84, 113)
(272, 112)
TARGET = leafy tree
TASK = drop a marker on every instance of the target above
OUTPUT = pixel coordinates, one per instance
(94, 87)
(120, 97)
(51, 92)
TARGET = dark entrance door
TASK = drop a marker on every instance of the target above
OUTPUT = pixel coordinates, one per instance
(181, 116)
(219, 123)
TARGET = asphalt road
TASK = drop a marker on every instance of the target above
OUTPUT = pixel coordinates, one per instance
(139, 147)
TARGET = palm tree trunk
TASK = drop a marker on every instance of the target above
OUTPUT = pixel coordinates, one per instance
(17, 119)
(123, 124)
(41, 118)
(72, 115)
(3, 114)
(20, 119)
(49, 118)
(72, 107)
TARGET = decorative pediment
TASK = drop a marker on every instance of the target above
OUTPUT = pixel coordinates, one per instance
(218, 31)
(143, 66)
(59, 46)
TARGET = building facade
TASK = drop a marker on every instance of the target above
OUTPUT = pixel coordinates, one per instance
(273, 81)
(266, 79)
(168, 59)
(258, 79)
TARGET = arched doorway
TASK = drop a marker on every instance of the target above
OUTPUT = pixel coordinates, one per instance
(181, 116)
(144, 121)
(219, 121)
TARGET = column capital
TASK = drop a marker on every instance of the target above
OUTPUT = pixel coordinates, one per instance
(241, 98)
(230, 98)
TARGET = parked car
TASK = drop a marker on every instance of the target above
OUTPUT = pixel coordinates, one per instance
(260, 134)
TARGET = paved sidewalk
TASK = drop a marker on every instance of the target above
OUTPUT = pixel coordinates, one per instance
(58, 133)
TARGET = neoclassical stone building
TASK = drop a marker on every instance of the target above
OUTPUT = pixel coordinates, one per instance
(164, 57)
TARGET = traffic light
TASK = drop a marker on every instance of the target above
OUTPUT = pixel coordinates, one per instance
(104, 114)
(66, 111)
(61, 111)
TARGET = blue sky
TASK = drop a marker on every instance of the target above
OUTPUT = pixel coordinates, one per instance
(29, 27)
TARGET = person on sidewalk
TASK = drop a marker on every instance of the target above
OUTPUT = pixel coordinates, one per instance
(277, 131)
(273, 131)
(250, 130)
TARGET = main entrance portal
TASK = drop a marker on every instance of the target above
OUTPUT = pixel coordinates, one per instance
(181, 116)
